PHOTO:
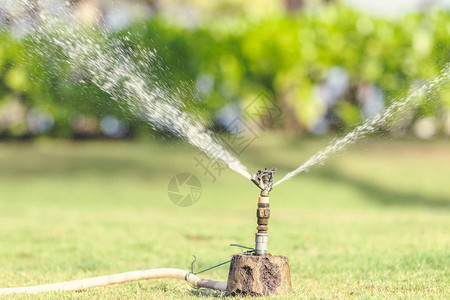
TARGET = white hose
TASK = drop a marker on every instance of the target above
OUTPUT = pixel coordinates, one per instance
(82, 284)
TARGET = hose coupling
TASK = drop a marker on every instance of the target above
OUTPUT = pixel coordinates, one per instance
(261, 240)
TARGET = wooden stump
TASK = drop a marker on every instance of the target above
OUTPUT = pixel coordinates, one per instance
(252, 275)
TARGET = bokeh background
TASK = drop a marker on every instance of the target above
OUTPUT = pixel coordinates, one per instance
(328, 64)
(83, 183)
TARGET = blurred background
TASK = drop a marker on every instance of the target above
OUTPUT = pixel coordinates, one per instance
(327, 64)
(84, 183)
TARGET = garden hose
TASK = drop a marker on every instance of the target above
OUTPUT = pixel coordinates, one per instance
(82, 284)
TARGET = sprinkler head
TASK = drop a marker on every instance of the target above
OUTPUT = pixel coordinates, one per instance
(264, 180)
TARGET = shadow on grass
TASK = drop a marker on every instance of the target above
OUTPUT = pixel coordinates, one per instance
(383, 195)
(68, 166)
(206, 293)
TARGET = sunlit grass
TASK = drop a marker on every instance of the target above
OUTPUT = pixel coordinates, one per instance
(373, 221)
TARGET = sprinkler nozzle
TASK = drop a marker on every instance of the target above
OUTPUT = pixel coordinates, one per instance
(264, 180)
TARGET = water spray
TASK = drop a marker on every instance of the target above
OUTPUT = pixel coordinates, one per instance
(253, 273)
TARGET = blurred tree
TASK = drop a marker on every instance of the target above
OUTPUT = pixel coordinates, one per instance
(328, 67)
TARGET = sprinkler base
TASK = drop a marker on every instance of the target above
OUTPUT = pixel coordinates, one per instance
(255, 276)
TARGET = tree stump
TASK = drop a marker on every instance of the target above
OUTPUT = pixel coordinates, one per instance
(253, 275)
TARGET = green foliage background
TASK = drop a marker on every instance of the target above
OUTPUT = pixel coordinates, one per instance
(284, 55)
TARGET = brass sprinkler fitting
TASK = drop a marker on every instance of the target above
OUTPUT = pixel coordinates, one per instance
(263, 180)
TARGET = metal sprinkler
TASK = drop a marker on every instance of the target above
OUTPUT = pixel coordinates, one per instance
(260, 273)
(263, 180)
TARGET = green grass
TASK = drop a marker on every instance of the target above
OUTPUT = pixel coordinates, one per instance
(373, 222)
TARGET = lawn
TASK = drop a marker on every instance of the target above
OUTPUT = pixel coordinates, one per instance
(374, 221)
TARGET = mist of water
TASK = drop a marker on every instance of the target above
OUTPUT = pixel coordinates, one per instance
(370, 125)
(112, 67)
